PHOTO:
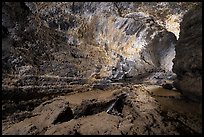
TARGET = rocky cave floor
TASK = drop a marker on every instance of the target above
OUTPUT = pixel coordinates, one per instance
(101, 68)
(51, 105)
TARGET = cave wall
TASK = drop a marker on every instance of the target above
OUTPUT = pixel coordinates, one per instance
(91, 39)
(188, 59)
(135, 44)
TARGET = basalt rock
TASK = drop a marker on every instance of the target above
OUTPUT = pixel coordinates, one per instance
(90, 40)
(61, 61)
(188, 59)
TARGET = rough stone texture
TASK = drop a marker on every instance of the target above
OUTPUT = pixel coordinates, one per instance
(140, 106)
(77, 51)
(93, 40)
(188, 60)
(11, 11)
(86, 113)
(90, 40)
(42, 116)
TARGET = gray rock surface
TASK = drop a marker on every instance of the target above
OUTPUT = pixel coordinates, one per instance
(60, 61)
(188, 59)
(88, 41)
